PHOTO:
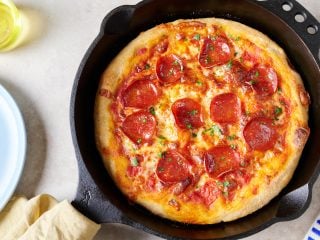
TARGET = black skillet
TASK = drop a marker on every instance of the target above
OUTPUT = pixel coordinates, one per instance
(97, 196)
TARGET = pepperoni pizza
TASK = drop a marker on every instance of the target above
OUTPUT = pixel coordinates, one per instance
(201, 121)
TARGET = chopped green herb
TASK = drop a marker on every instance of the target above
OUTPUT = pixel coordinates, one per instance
(147, 66)
(279, 90)
(196, 37)
(193, 112)
(226, 183)
(225, 194)
(161, 155)
(242, 164)
(231, 137)
(277, 112)
(198, 82)
(217, 129)
(161, 137)
(229, 64)
(211, 48)
(194, 135)
(160, 169)
(213, 130)
(256, 74)
(189, 126)
(134, 162)
(139, 140)
(175, 63)
(152, 111)
(235, 54)
(252, 82)
(162, 140)
(237, 38)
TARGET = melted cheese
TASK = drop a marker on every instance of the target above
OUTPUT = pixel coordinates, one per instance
(266, 168)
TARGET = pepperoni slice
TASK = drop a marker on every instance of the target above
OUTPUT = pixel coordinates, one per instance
(225, 108)
(140, 94)
(239, 73)
(215, 52)
(187, 113)
(260, 134)
(232, 181)
(206, 194)
(139, 127)
(263, 79)
(172, 167)
(220, 160)
(169, 69)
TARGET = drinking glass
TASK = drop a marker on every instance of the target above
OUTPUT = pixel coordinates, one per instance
(10, 24)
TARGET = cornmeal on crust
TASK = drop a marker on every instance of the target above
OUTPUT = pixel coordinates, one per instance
(201, 121)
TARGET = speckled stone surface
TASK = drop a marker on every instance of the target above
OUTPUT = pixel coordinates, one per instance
(39, 75)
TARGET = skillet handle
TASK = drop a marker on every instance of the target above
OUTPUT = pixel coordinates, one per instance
(308, 29)
(118, 20)
(294, 203)
(91, 202)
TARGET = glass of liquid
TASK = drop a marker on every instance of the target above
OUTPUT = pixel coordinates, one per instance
(10, 25)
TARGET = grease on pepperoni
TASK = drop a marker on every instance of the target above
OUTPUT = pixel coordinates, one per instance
(169, 68)
(263, 79)
(173, 167)
(140, 127)
(215, 52)
(141, 94)
(187, 113)
(225, 108)
(260, 134)
(220, 160)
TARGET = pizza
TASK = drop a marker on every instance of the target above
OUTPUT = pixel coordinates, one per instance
(201, 121)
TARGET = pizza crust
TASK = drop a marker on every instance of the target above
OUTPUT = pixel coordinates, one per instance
(246, 201)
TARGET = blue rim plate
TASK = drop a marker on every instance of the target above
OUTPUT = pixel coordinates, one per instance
(12, 146)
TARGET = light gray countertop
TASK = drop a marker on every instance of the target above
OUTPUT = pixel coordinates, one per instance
(39, 75)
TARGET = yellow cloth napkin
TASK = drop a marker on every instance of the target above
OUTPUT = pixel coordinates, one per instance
(43, 217)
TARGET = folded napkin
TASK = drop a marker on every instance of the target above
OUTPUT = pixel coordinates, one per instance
(43, 217)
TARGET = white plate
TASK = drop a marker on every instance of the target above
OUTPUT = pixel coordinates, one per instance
(12, 146)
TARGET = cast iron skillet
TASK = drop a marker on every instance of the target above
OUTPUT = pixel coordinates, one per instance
(97, 196)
